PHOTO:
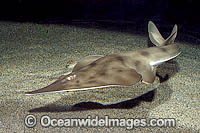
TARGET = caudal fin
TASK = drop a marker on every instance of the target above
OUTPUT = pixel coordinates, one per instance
(157, 39)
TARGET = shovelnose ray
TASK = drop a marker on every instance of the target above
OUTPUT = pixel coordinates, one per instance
(123, 69)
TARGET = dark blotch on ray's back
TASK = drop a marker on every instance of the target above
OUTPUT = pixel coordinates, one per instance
(91, 77)
(144, 53)
(102, 73)
(120, 58)
(119, 70)
(163, 49)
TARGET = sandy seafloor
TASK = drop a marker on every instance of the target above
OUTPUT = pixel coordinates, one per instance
(33, 56)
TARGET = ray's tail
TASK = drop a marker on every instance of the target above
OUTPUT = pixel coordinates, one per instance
(157, 39)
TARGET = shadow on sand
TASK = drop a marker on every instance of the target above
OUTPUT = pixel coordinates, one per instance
(148, 97)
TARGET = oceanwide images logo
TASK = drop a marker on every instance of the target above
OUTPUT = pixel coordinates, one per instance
(128, 123)
(46, 121)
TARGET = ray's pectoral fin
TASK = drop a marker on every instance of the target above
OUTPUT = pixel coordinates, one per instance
(78, 81)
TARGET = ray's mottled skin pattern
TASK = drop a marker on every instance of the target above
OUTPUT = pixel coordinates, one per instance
(123, 69)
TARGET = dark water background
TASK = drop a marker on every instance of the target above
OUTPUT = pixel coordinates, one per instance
(185, 13)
